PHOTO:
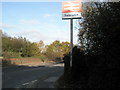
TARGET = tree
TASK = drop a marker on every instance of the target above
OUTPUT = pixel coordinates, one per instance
(41, 46)
(53, 50)
(57, 49)
(17, 47)
(100, 27)
(65, 48)
(30, 49)
(97, 63)
(6, 44)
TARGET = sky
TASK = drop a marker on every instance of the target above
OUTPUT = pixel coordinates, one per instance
(36, 21)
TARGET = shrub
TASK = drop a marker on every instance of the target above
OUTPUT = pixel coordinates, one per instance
(11, 54)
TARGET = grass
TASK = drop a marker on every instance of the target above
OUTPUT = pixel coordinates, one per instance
(37, 60)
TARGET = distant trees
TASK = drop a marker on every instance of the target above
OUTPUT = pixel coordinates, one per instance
(57, 49)
(13, 47)
(30, 50)
(41, 46)
(17, 47)
(12, 44)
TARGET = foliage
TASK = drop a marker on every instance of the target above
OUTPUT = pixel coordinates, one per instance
(30, 49)
(41, 46)
(11, 54)
(13, 44)
(20, 47)
(97, 63)
(100, 27)
(57, 49)
(17, 47)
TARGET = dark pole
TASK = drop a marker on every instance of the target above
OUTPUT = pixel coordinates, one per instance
(71, 40)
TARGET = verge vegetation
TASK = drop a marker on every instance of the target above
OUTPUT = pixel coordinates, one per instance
(16, 50)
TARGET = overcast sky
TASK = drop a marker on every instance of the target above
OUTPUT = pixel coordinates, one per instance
(36, 21)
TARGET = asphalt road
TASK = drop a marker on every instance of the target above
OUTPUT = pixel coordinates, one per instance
(31, 77)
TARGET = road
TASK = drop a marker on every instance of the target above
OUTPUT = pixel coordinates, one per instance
(27, 77)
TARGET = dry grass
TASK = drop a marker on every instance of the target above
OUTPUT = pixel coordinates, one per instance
(24, 61)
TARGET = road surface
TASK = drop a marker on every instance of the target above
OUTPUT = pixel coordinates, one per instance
(26, 77)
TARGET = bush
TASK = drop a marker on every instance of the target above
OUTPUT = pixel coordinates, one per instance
(11, 54)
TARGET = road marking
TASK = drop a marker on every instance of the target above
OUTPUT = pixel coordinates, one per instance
(25, 83)
(34, 81)
(30, 82)
(51, 79)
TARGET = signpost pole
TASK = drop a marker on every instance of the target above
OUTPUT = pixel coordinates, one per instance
(71, 10)
(71, 40)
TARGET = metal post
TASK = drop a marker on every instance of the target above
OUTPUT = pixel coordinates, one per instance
(0, 43)
(71, 40)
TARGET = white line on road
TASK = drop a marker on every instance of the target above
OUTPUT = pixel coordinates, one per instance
(25, 84)
(30, 82)
(34, 81)
(51, 79)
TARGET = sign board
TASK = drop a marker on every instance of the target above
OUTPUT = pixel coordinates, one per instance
(71, 9)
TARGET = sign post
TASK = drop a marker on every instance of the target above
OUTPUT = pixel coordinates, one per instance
(71, 42)
(71, 10)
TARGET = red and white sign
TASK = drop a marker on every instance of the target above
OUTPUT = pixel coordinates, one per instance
(71, 9)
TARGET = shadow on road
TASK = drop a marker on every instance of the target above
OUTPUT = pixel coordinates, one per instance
(31, 76)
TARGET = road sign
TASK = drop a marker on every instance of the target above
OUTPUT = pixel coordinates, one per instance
(71, 9)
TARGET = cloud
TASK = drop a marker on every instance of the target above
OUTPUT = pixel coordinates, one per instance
(29, 22)
(48, 15)
(7, 26)
(35, 35)
(48, 32)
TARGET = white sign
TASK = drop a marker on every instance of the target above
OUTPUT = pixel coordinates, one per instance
(71, 9)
